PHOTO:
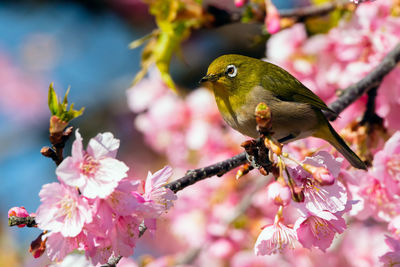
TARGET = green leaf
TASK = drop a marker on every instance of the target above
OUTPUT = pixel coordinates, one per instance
(175, 20)
(52, 100)
(60, 109)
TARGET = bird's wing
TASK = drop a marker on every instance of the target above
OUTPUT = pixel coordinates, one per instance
(288, 88)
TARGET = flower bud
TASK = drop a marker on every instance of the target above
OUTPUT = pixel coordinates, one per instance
(297, 194)
(273, 145)
(240, 3)
(279, 193)
(320, 174)
(272, 20)
(263, 118)
(18, 212)
(38, 246)
(244, 169)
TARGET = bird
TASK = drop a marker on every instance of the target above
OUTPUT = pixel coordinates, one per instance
(240, 83)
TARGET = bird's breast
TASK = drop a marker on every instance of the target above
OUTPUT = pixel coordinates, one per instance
(295, 119)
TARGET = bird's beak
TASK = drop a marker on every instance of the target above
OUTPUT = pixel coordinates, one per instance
(209, 78)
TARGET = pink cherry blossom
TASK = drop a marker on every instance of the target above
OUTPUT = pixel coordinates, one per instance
(318, 230)
(161, 198)
(326, 160)
(386, 164)
(330, 197)
(275, 238)
(121, 240)
(388, 100)
(59, 246)
(95, 172)
(122, 201)
(375, 199)
(19, 212)
(62, 210)
(391, 258)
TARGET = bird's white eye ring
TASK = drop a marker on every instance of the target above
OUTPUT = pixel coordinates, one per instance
(231, 71)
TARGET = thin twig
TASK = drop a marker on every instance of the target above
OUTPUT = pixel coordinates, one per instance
(57, 140)
(28, 221)
(220, 168)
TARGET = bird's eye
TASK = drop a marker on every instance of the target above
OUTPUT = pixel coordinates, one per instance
(231, 71)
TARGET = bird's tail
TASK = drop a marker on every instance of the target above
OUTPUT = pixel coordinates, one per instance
(329, 134)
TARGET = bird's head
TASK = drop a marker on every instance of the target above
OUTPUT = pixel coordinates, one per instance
(229, 73)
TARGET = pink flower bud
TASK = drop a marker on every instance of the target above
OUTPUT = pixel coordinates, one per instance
(18, 212)
(279, 193)
(320, 174)
(240, 3)
(272, 20)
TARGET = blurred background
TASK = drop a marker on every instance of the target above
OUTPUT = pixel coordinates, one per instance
(82, 45)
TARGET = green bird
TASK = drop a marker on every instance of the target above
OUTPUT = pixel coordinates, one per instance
(240, 83)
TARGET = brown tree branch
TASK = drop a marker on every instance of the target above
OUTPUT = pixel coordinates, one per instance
(57, 140)
(370, 115)
(219, 169)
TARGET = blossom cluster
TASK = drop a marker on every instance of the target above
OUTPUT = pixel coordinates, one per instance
(95, 207)
(320, 212)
